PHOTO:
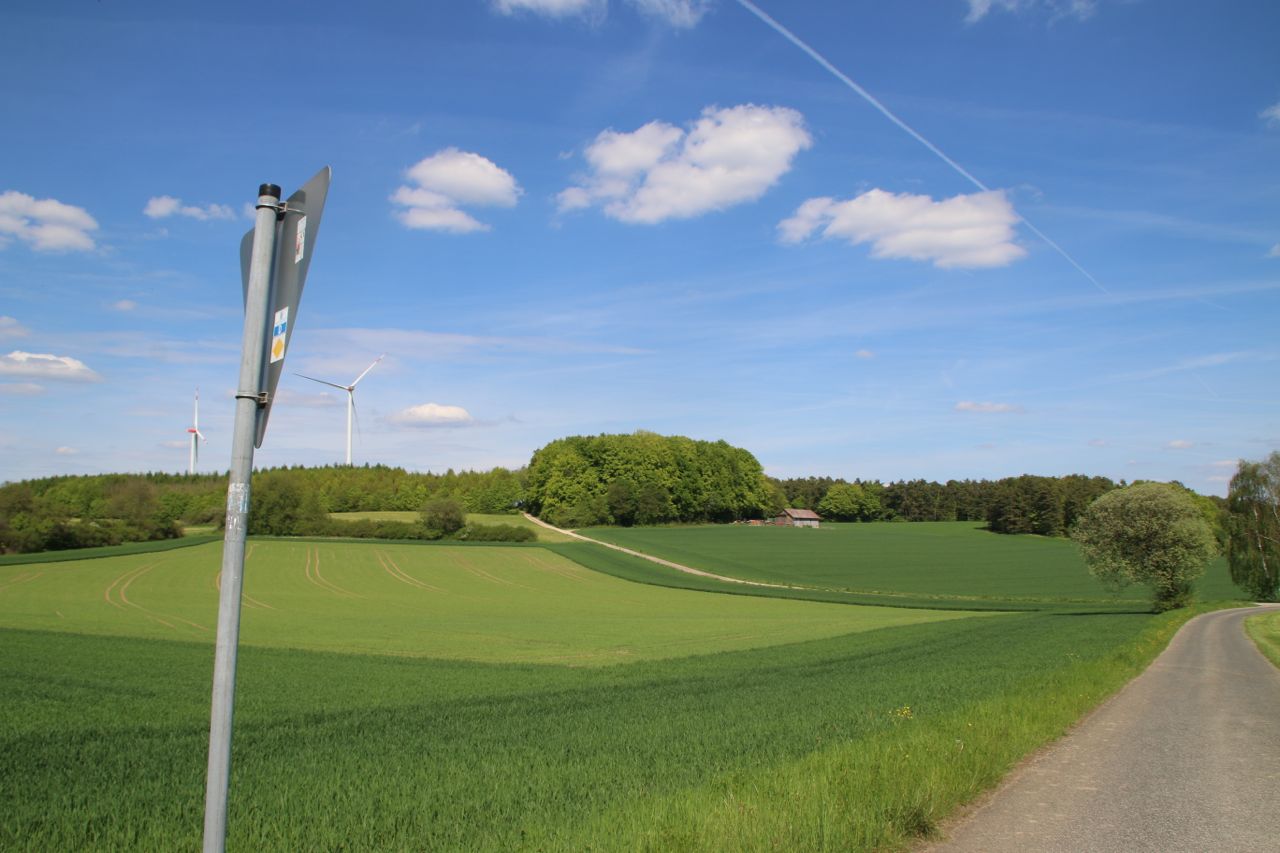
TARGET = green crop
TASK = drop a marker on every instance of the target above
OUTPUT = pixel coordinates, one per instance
(931, 559)
(104, 739)
(466, 602)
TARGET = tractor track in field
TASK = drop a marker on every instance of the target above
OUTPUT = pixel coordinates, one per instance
(391, 568)
(25, 577)
(120, 588)
(248, 601)
(312, 571)
(477, 572)
(562, 572)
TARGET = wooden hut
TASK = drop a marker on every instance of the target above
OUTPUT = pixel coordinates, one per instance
(798, 518)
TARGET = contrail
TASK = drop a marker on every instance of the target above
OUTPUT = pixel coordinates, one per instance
(908, 129)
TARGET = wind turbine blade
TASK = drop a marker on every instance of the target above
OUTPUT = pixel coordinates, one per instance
(367, 369)
(202, 438)
(323, 382)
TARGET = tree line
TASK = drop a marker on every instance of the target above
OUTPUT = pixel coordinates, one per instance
(58, 513)
(1046, 506)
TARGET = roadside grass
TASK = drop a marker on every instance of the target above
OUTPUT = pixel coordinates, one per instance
(501, 604)
(1264, 630)
(932, 559)
(543, 534)
(858, 742)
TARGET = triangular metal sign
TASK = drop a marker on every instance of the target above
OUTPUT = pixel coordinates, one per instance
(296, 229)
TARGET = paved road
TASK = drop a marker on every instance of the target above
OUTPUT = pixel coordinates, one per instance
(1186, 758)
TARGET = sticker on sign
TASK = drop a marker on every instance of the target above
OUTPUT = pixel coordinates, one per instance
(279, 334)
(300, 243)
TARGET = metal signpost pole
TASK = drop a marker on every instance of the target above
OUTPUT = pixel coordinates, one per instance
(248, 400)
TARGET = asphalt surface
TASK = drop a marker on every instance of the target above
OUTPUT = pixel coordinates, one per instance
(1185, 758)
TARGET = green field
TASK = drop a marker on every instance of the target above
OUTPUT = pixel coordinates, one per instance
(863, 740)
(463, 602)
(467, 697)
(943, 559)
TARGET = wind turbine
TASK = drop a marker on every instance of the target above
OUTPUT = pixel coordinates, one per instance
(196, 436)
(351, 396)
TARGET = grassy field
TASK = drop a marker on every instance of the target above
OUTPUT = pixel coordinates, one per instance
(444, 697)
(544, 535)
(941, 559)
(1264, 629)
(464, 602)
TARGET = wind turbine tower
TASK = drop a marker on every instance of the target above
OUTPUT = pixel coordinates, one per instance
(351, 396)
(196, 436)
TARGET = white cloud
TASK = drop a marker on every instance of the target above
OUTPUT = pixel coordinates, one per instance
(47, 225)
(660, 172)
(678, 13)
(1226, 463)
(1099, 442)
(44, 366)
(987, 408)
(550, 8)
(1271, 115)
(1275, 251)
(445, 182)
(864, 353)
(1180, 444)
(124, 305)
(1078, 9)
(974, 230)
(21, 389)
(432, 415)
(164, 206)
(66, 451)
(11, 328)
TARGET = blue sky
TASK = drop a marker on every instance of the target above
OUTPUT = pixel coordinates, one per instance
(567, 217)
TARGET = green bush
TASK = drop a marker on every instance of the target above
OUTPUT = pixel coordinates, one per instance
(443, 514)
(495, 533)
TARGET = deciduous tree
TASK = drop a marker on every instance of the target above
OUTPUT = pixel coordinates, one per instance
(1149, 533)
(1253, 548)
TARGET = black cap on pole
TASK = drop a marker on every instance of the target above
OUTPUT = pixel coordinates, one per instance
(269, 189)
